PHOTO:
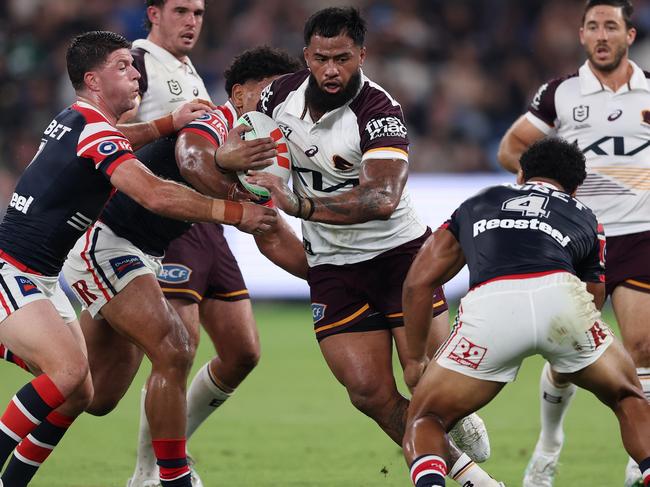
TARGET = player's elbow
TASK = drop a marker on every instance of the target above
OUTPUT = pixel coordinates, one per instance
(385, 206)
(189, 162)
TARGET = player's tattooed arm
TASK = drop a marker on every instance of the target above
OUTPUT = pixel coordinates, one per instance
(381, 182)
(195, 160)
(440, 259)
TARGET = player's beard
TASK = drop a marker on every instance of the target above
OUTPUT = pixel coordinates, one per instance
(321, 101)
(619, 53)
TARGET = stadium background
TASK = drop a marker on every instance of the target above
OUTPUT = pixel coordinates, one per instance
(463, 70)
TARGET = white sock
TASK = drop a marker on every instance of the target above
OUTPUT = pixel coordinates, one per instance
(203, 398)
(145, 464)
(644, 378)
(555, 403)
(466, 472)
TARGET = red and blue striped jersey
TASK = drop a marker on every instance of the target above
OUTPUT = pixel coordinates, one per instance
(63, 189)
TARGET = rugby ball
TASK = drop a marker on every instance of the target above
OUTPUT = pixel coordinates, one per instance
(265, 126)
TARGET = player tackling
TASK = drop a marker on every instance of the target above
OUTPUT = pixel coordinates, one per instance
(528, 247)
(602, 108)
(83, 157)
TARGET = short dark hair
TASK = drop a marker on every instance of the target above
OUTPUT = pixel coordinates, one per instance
(89, 50)
(334, 21)
(555, 158)
(625, 6)
(259, 63)
(151, 3)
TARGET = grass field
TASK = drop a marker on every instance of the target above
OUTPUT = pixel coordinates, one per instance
(291, 424)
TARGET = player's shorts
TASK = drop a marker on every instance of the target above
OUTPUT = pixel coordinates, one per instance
(199, 265)
(501, 322)
(367, 295)
(627, 262)
(101, 264)
(19, 288)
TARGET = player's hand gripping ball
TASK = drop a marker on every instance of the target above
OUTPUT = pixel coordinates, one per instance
(265, 126)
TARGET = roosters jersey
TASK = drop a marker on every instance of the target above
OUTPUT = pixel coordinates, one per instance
(166, 82)
(613, 131)
(327, 155)
(63, 189)
(525, 229)
(148, 231)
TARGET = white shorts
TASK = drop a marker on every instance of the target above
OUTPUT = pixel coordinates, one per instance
(19, 288)
(101, 264)
(502, 322)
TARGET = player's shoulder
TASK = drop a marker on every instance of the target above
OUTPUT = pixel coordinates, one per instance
(550, 87)
(373, 98)
(277, 92)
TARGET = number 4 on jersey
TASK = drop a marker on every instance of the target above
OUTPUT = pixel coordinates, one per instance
(529, 205)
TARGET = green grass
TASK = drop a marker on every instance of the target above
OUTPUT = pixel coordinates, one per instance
(291, 424)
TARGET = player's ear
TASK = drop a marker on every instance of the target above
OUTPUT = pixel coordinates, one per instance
(305, 55)
(91, 80)
(362, 55)
(237, 95)
(153, 14)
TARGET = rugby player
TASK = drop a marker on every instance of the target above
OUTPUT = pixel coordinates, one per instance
(83, 157)
(528, 247)
(601, 108)
(196, 294)
(219, 300)
(349, 150)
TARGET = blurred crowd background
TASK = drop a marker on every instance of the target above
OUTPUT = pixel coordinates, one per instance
(463, 70)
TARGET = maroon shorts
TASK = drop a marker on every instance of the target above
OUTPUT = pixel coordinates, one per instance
(199, 265)
(627, 262)
(364, 296)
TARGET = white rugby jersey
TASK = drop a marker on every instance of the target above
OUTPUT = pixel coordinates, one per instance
(326, 157)
(166, 82)
(613, 131)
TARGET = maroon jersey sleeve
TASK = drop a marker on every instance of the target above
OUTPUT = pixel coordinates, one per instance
(279, 90)
(543, 104)
(381, 123)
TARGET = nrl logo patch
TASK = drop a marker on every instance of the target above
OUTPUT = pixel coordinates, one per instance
(174, 87)
(581, 113)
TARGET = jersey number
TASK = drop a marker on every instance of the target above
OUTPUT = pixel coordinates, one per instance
(530, 205)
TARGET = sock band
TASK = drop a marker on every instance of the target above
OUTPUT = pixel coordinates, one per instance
(172, 461)
(48, 391)
(428, 468)
(462, 465)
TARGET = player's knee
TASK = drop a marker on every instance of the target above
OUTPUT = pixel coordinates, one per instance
(175, 355)
(71, 374)
(81, 399)
(102, 405)
(247, 359)
(369, 397)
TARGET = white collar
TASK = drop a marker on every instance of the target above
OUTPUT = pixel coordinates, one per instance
(166, 58)
(590, 84)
